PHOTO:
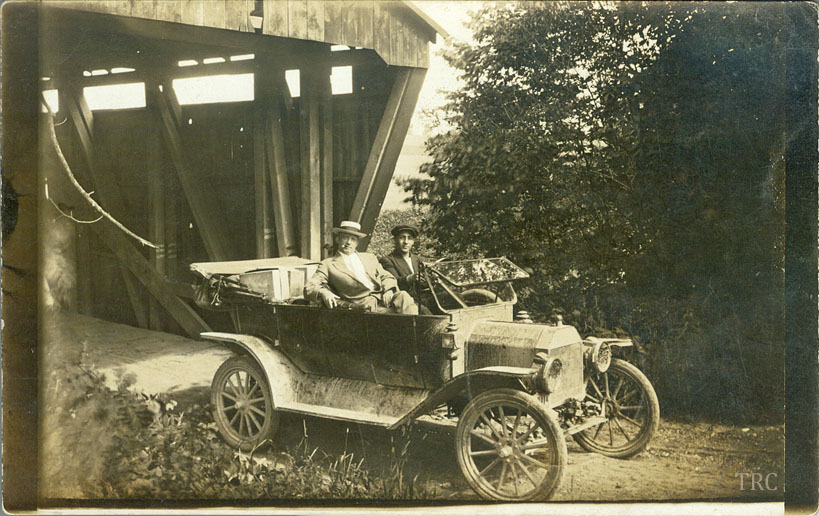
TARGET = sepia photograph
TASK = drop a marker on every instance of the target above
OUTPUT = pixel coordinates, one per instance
(416, 255)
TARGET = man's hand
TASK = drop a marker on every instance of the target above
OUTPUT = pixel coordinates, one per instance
(330, 299)
(387, 297)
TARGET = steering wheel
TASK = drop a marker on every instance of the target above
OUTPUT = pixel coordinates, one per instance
(479, 296)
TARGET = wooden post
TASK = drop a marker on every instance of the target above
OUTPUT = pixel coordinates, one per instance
(271, 93)
(280, 184)
(264, 231)
(387, 145)
(310, 166)
(171, 196)
(326, 163)
(156, 209)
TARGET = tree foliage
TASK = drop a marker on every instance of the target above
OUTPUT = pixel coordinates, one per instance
(631, 155)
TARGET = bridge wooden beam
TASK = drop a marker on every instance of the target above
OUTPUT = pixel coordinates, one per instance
(214, 235)
(386, 147)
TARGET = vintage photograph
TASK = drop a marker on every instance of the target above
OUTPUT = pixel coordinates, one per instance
(296, 253)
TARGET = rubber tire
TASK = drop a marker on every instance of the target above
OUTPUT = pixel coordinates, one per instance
(272, 417)
(646, 433)
(537, 410)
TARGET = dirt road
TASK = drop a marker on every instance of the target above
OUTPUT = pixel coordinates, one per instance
(686, 461)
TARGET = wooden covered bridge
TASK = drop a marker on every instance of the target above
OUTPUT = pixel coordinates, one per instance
(322, 97)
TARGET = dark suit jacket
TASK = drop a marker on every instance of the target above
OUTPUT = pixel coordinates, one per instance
(395, 264)
(334, 275)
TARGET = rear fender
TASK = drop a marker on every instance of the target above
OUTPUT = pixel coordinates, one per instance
(278, 370)
(471, 384)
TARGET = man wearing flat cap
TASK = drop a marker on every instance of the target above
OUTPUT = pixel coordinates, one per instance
(354, 280)
(403, 263)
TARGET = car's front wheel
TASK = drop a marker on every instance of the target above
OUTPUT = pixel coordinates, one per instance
(629, 403)
(510, 447)
(242, 404)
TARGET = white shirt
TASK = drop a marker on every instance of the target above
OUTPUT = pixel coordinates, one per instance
(353, 262)
(408, 259)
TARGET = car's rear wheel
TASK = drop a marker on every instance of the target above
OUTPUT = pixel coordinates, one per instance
(242, 404)
(509, 446)
(630, 405)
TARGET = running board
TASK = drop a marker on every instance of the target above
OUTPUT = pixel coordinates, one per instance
(592, 421)
(352, 416)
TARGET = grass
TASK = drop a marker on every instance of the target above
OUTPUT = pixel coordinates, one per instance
(154, 450)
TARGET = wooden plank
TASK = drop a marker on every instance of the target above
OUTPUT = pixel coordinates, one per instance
(169, 10)
(280, 185)
(310, 221)
(327, 135)
(92, 5)
(264, 232)
(212, 232)
(156, 284)
(387, 145)
(193, 12)
(236, 14)
(360, 30)
(315, 19)
(395, 39)
(381, 31)
(274, 22)
(144, 9)
(333, 22)
(297, 19)
(120, 7)
(73, 4)
(347, 28)
(214, 14)
(365, 24)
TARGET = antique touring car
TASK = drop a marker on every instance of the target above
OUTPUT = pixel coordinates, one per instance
(515, 388)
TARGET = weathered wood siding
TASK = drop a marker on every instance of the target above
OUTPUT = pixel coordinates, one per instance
(390, 28)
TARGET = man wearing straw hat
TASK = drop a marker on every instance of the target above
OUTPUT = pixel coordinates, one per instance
(354, 280)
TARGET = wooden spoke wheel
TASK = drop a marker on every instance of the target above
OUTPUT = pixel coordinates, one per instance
(242, 404)
(510, 447)
(630, 405)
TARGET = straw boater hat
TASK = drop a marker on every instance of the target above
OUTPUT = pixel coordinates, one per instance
(349, 227)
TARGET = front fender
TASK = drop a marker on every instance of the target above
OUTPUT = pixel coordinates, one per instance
(279, 372)
(614, 343)
(473, 383)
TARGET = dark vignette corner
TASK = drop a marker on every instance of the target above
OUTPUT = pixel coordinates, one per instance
(801, 259)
